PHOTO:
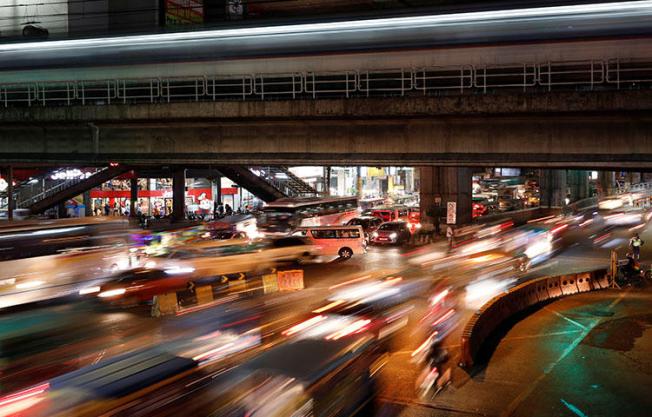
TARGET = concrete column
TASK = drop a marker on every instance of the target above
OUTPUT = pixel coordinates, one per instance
(10, 192)
(358, 182)
(441, 185)
(179, 194)
(327, 181)
(133, 195)
(88, 209)
(578, 183)
(607, 182)
(552, 187)
(219, 188)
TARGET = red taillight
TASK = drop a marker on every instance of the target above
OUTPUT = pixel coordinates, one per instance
(13, 399)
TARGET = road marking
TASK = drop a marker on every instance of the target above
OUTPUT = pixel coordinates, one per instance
(573, 408)
(536, 336)
(526, 393)
(571, 321)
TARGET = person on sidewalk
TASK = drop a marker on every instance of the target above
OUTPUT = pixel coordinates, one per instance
(450, 235)
(635, 243)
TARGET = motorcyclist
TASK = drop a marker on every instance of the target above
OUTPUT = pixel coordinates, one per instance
(632, 269)
(635, 244)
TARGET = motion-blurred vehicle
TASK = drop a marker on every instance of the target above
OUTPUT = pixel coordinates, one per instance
(507, 203)
(332, 377)
(414, 218)
(369, 224)
(441, 318)
(18, 214)
(140, 285)
(286, 214)
(239, 226)
(391, 233)
(390, 213)
(108, 385)
(479, 208)
(343, 241)
(29, 238)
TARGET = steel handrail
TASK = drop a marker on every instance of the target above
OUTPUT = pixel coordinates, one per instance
(536, 77)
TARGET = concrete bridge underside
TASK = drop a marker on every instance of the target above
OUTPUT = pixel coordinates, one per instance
(566, 130)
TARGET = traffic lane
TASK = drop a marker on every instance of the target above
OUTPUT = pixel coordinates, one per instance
(398, 394)
(581, 253)
(112, 331)
(282, 310)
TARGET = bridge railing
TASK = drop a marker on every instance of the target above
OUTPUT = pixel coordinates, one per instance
(436, 80)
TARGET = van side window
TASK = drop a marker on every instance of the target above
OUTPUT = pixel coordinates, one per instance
(348, 234)
(324, 234)
(300, 233)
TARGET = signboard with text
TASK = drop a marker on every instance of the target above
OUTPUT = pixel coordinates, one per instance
(451, 212)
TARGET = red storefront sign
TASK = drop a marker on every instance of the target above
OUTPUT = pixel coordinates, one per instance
(194, 192)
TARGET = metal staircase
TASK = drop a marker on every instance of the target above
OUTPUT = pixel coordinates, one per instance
(268, 183)
(285, 181)
(68, 189)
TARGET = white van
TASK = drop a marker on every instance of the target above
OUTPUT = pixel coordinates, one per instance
(343, 241)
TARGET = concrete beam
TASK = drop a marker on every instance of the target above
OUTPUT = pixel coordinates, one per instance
(616, 140)
(563, 102)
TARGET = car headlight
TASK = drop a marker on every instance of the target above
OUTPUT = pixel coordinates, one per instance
(89, 290)
(393, 235)
(418, 225)
(112, 293)
(374, 234)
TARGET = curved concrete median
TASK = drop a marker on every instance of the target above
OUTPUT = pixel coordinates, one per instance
(505, 305)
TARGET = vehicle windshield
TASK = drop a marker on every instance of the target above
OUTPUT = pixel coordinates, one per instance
(390, 226)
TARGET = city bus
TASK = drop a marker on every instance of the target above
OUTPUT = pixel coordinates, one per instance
(370, 203)
(286, 214)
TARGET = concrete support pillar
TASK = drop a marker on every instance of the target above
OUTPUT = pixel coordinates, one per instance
(133, 195)
(441, 185)
(88, 204)
(9, 177)
(327, 181)
(552, 187)
(578, 183)
(179, 194)
(607, 182)
(219, 188)
(358, 182)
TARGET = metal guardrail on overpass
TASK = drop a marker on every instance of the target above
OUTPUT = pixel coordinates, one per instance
(592, 75)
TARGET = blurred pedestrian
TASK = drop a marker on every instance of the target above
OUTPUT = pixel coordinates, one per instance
(450, 235)
(635, 243)
(228, 210)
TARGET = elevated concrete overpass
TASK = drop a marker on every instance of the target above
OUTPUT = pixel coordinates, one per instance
(597, 130)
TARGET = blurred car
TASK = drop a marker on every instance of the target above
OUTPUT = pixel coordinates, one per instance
(506, 203)
(369, 224)
(479, 209)
(140, 285)
(221, 257)
(332, 377)
(392, 233)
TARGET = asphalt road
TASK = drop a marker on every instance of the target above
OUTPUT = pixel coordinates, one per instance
(114, 331)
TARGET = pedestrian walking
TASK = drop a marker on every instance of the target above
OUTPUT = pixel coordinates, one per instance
(450, 235)
(635, 244)
(228, 210)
